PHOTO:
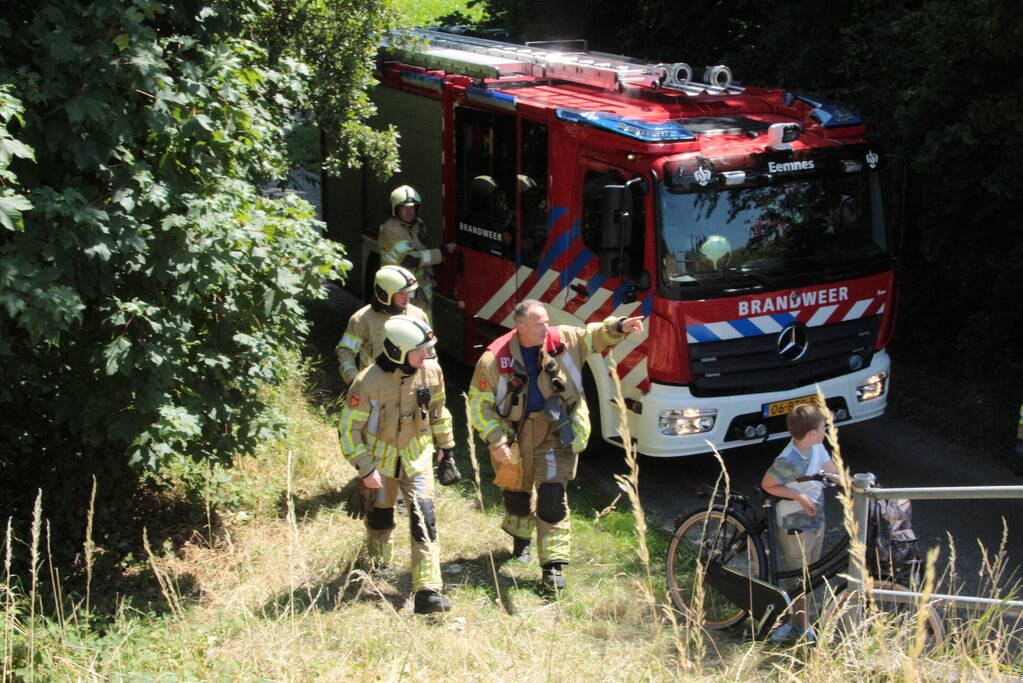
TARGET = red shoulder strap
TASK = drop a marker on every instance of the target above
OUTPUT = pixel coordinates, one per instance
(501, 348)
(553, 345)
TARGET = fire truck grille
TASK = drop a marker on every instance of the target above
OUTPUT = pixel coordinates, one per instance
(752, 364)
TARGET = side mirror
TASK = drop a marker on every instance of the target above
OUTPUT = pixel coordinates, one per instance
(616, 203)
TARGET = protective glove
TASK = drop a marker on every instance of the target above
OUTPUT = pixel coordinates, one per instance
(447, 471)
(360, 499)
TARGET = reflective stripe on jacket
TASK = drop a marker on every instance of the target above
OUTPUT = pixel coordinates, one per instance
(404, 244)
(500, 384)
(363, 339)
(382, 424)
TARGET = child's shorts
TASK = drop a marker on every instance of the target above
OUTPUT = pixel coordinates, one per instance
(796, 549)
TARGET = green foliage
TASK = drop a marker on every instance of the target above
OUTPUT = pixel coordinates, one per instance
(337, 41)
(11, 202)
(146, 289)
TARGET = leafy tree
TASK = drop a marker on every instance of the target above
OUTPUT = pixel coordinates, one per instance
(337, 42)
(146, 288)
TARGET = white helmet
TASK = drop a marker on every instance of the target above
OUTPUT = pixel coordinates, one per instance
(403, 334)
(391, 280)
(403, 196)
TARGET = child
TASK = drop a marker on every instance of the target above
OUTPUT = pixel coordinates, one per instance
(800, 518)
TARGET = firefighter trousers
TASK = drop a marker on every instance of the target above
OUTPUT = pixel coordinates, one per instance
(417, 490)
(542, 502)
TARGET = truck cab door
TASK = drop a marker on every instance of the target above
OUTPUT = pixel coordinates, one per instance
(485, 156)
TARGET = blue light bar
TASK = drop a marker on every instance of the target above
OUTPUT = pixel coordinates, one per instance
(422, 80)
(829, 114)
(647, 131)
(489, 97)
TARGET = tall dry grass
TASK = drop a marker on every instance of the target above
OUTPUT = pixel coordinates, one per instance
(274, 589)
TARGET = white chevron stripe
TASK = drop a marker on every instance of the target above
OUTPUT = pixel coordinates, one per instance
(538, 289)
(635, 376)
(821, 316)
(857, 310)
(592, 304)
(630, 343)
(767, 324)
(880, 310)
(504, 293)
(691, 339)
(625, 310)
(723, 330)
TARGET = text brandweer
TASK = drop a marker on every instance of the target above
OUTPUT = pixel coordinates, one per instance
(785, 302)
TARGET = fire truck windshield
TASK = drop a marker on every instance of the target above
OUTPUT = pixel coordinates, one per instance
(783, 234)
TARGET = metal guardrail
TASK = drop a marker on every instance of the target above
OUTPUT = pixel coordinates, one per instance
(863, 492)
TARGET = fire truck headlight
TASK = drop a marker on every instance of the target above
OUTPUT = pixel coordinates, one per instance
(872, 388)
(687, 421)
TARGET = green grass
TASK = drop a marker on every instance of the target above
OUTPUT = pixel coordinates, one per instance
(275, 591)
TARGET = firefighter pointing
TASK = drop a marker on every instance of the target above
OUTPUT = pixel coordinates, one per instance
(363, 339)
(403, 242)
(393, 418)
(526, 402)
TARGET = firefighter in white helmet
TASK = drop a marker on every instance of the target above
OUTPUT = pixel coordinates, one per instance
(526, 401)
(363, 339)
(403, 242)
(393, 423)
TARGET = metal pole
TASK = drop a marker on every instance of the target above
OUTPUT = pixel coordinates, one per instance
(947, 492)
(1012, 608)
(861, 509)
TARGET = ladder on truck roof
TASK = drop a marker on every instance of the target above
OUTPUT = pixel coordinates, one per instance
(483, 58)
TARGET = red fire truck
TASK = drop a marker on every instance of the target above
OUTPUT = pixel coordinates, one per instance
(751, 227)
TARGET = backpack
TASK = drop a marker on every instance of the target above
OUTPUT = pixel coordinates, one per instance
(891, 544)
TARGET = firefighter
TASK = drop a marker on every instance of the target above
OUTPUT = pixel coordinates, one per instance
(363, 339)
(393, 419)
(403, 242)
(526, 402)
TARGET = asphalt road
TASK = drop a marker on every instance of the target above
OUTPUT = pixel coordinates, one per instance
(899, 453)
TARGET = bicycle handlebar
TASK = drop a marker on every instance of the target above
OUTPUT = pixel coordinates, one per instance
(827, 478)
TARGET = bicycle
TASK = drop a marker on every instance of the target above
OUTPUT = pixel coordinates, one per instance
(733, 542)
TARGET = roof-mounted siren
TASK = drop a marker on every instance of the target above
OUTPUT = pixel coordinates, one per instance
(779, 135)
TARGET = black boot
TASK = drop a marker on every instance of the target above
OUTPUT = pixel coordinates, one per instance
(520, 551)
(429, 601)
(552, 578)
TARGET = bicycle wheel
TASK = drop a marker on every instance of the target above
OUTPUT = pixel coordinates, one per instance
(899, 616)
(702, 535)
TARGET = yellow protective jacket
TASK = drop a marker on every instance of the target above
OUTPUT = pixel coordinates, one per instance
(383, 425)
(363, 339)
(404, 244)
(500, 384)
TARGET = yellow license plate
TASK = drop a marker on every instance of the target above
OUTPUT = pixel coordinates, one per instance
(783, 407)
